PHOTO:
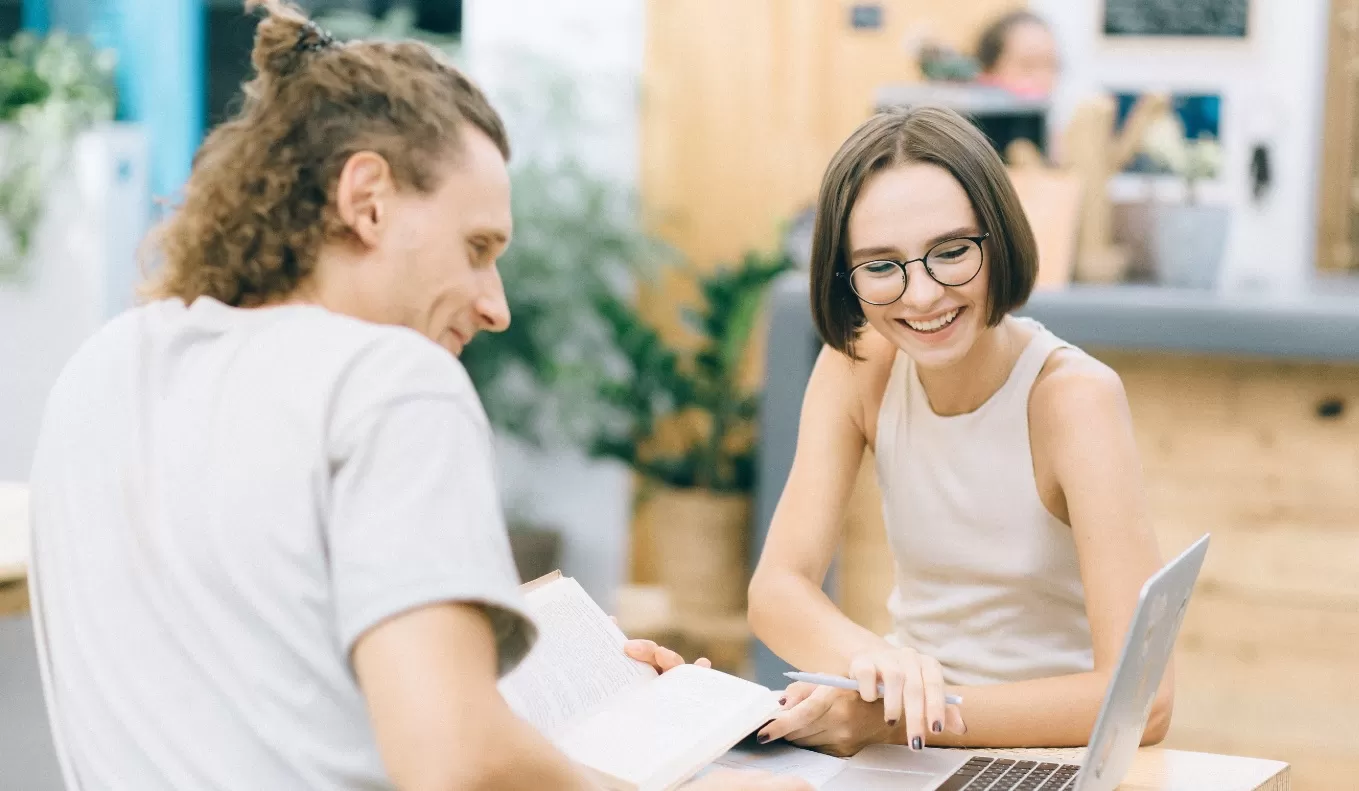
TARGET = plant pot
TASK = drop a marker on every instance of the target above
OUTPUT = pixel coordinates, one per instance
(699, 542)
(1187, 243)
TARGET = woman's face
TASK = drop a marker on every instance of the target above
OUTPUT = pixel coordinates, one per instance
(1028, 60)
(901, 214)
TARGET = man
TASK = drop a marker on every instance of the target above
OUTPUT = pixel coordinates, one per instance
(268, 551)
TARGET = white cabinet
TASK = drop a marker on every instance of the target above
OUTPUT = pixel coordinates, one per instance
(82, 270)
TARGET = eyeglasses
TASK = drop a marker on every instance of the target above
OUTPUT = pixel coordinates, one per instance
(953, 262)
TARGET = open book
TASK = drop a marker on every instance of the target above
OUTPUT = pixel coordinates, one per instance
(634, 729)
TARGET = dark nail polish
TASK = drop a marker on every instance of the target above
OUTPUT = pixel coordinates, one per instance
(915, 743)
(783, 701)
(762, 739)
(938, 726)
(891, 723)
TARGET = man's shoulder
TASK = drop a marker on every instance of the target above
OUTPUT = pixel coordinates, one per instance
(294, 347)
(399, 361)
(317, 343)
(375, 366)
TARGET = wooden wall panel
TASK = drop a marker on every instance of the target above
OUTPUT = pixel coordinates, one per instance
(1337, 235)
(743, 104)
(1265, 663)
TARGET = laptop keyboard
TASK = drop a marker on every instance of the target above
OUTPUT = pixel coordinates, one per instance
(1005, 774)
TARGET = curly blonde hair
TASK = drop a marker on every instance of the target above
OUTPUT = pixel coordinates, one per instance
(259, 202)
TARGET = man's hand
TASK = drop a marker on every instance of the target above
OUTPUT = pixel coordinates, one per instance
(659, 657)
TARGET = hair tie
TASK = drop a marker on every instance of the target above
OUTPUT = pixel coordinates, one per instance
(313, 39)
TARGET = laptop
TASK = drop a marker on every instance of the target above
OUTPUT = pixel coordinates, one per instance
(1113, 742)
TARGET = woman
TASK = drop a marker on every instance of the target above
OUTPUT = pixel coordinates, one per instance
(1011, 488)
(1018, 52)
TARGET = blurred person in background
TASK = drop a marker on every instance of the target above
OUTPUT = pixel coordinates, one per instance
(268, 550)
(1012, 491)
(1018, 52)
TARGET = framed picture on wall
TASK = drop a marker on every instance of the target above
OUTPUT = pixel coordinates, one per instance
(1223, 20)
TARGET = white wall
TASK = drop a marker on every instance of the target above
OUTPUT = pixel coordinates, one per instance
(507, 45)
(597, 43)
(83, 271)
(1271, 86)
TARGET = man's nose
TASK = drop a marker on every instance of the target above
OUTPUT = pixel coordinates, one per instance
(493, 310)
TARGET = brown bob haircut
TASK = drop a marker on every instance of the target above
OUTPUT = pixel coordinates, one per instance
(923, 134)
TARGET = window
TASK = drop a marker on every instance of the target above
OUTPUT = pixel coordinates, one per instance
(231, 33)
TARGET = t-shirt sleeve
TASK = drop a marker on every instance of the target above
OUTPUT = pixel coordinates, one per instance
(414, 515)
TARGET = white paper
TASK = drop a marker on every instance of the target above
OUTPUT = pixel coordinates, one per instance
(781, 758)
(661, 726)
(577, 663)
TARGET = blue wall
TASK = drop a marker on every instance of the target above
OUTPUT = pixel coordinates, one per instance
(161, 68)
(35, 15)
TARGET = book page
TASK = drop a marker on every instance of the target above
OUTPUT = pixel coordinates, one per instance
(665, 731)
(577, 663)
(781, 758)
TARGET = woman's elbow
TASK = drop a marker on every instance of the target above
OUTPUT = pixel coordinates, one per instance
(761, 601)
(1158, 720)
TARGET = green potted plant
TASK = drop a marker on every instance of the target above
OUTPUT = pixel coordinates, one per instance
(688, 430)
(575, 244)
(1187, 238)
(51, 89)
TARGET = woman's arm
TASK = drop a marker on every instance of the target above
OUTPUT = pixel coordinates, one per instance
(1081, 426)
(788, 609)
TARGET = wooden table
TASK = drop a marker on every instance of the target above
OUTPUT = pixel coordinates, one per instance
(1157, 769)
(13, 548)
(13, 595)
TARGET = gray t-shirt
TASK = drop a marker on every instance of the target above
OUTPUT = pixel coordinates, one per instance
(223, 501)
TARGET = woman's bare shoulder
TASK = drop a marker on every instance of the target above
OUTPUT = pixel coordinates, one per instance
(1074, 383)
(875, 368)
(866, 377)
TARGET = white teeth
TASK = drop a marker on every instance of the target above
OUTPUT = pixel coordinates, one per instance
(939, 323)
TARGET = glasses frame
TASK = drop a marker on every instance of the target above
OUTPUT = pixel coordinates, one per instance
(906, 276)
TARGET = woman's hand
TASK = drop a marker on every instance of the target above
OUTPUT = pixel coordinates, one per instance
(830, 720)
(910, 708)
(912, 692)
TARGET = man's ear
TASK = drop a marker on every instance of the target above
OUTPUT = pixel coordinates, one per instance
(362, 195)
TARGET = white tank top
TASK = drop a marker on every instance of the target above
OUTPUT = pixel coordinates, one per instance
(987, 580)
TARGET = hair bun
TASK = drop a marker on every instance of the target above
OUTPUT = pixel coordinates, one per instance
(313, 39)
(284, 38)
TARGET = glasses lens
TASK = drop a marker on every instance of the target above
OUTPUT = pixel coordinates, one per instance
(879, 282)
(954, 262)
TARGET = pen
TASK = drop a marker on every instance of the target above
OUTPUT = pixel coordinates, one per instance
(840, 682)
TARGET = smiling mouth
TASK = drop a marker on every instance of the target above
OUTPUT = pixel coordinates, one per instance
(458, 338)
(933, 325)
